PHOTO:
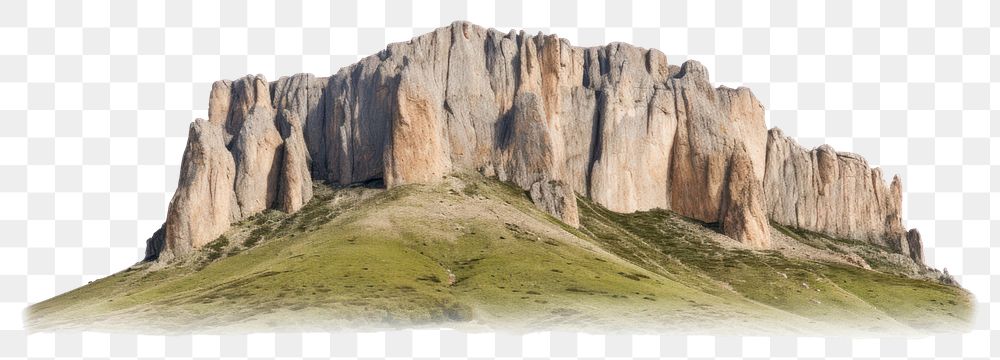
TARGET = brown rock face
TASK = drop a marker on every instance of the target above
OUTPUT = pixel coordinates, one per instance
(614, 123)
(302, 95)
(916, 246)
(256, 149)
(832, 193)
(529, 159)
(204, 204)
(242, 161)
(295, 182)
(557, 199)
(636, 126)
(712, 124)
(416, 152)
(741, 212)
(218, 102)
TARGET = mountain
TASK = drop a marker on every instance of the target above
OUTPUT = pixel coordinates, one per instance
(616, 124)
(639, 173)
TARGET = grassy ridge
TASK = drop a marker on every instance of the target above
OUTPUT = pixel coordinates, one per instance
(827, 292)
(474, 252)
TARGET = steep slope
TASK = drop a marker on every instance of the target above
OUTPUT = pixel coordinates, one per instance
(616, 124)
(473, 252)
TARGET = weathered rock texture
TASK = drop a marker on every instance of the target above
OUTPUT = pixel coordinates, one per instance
(834, 193)
(916, 246)
(205, 202)
(615, 123)
(742, 209)
(155, 244)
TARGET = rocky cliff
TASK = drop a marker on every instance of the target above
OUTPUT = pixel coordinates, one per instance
(835, 193)
(616, 124)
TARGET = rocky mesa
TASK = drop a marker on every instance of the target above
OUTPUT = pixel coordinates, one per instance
(616, 124)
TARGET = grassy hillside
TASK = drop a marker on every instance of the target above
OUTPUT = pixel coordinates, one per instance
(475, 253)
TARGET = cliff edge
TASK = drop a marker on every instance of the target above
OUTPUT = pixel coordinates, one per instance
(616, 124)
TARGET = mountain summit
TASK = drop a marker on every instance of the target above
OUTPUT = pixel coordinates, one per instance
(617, 124)
(471, 177)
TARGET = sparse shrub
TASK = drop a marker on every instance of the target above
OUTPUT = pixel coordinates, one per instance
(471, 189)
(216, 246)
(219, 243)
(256, 235)
(947, 279)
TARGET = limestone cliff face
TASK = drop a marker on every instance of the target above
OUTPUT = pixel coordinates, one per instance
(205, 202)
(615, 123)
(742, 214)
(834, 193)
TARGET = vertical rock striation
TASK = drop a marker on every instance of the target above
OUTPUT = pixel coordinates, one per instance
(295, 179)
(835, 193)
(615, 123)
(255, 146)
(712, 123)
(741, 213)
(205, 202)
(916, 246)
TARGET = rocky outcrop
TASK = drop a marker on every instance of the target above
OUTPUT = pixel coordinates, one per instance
(295, 182)
(302, 96)
(155, 244)
(241, 161)
(741, 213)
(417, 145)
(712, 123)
(205, 202)
(529, 158)
(615, 123)
(634, 134)
(255, 147)
(831, 192)
(556, 198)
(916, 246)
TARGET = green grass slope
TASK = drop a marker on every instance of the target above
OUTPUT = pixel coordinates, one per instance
(475, 253)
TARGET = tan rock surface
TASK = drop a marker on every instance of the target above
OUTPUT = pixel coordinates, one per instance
(417, 150)
(218, 102)
(204, 204)
(256, 150)
(615, 123)
(742, 215)
(711, 124)
(295, 185)
(557, 199)
(832, 192)
(301, 94)
(631, 168)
